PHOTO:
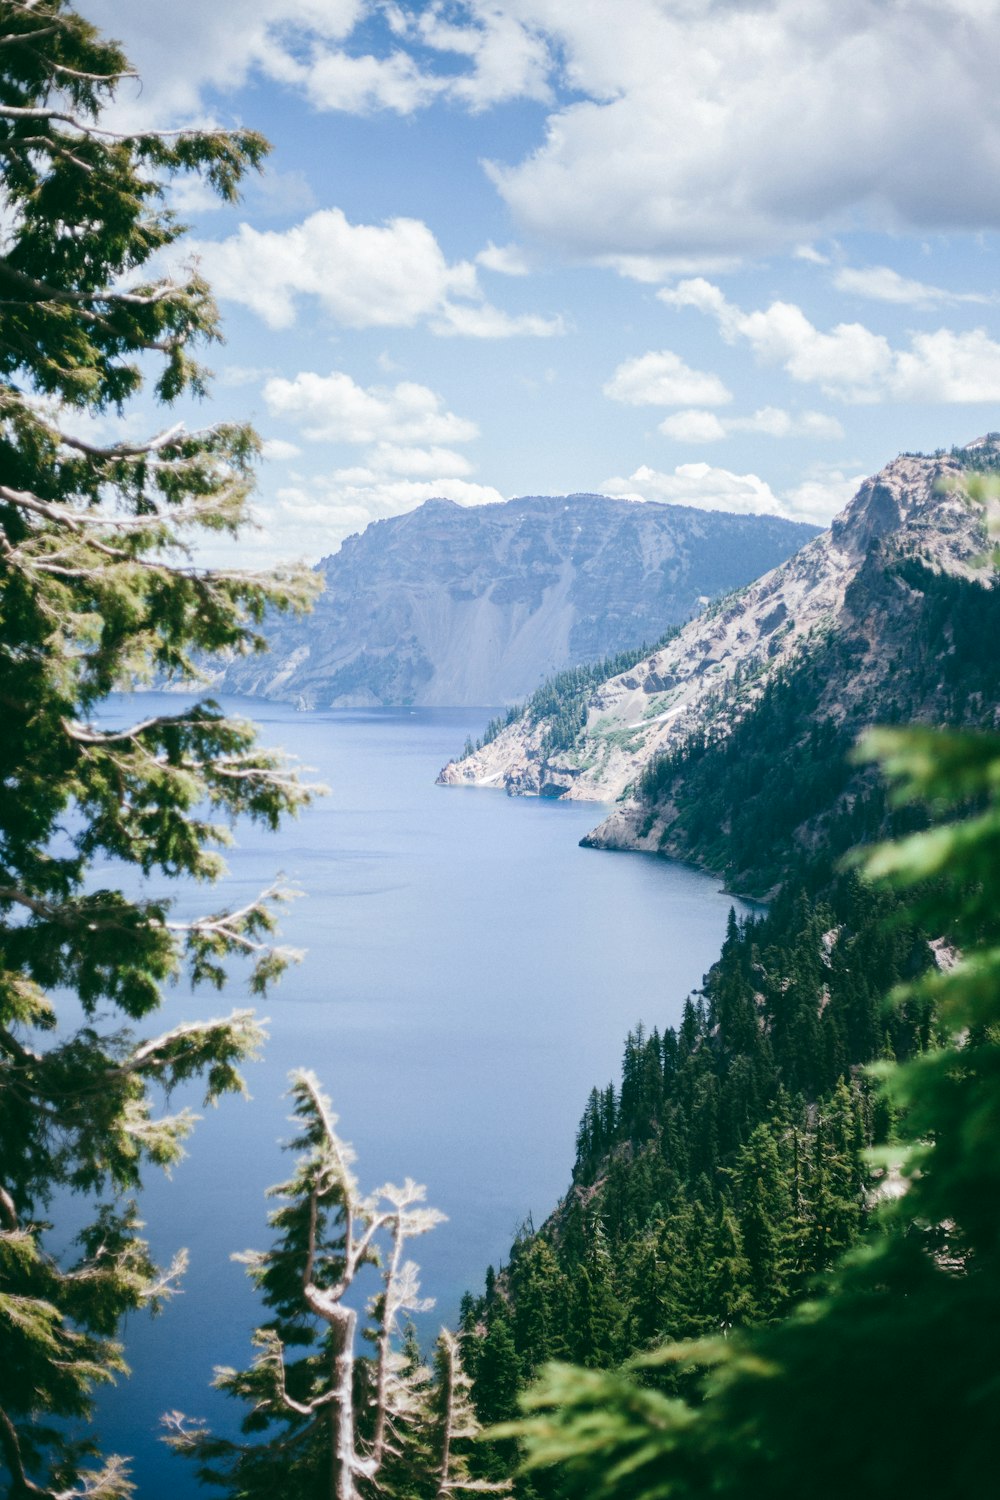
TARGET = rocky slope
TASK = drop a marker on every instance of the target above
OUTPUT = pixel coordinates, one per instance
(449, 605)
(844, 600)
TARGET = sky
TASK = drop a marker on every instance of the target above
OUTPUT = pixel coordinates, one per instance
(728, 253)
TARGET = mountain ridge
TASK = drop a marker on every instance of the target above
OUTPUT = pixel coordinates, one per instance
(449, 605)
(843, 592)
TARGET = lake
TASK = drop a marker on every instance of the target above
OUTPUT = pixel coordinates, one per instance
(470, 975)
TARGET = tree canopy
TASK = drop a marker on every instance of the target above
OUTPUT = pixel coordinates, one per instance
(100, 586)
(886, 1380)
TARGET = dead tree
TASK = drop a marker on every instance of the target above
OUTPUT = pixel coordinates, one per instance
(341, 1425)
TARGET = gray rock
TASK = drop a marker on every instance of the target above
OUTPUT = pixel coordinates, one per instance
(449, 605)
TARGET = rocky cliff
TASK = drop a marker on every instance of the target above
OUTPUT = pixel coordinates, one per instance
(450, 605)
(836, 623)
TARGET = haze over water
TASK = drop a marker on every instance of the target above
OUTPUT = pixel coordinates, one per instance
(470, 975)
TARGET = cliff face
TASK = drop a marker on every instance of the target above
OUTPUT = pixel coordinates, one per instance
(845, 586)
(450, 605)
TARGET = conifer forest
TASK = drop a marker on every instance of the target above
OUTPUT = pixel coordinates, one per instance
(775, 1268)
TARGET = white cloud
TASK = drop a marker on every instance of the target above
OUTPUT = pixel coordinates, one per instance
(707, 488)
(364, 275)
(406, 435)
(702, 486)
(487, 55)
(335, 80)
(431, 463)
(509, 56)
(946, 366)
(240, 375)
(663, 379)
(850, 361)
(188, 47)
(811, 254)
(859, 115)
(279, 449)
(694, 426)
(312, 518)
(479, 320)
(883, 284)
(332, 408)
(860, 111)
(822, 497)
(651, 269)
(508, 260)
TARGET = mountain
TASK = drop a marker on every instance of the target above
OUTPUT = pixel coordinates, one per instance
(729, 744)
(450, 605)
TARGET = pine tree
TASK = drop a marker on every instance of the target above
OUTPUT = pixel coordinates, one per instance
(888, 1382)
(98, 588)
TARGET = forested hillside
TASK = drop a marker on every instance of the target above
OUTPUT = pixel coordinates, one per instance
(914, 644)
(725, 1168)
(731, 1164)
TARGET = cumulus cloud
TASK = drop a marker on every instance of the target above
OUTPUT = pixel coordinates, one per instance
(851, 362)
(646, 153)
(364, 275)
(653, 156)
(811, 254)
(699, 485)
(404, 435)
(695, 426)
(508, 260)
(883, 284)
(356, 56)
(663, 379)
(479, 320)
(708, 488)
(311, 518)
(280, 449)
(333, 408)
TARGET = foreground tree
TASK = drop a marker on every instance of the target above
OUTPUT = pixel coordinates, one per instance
(889, 1381)
(340, 1425)
(98, 587)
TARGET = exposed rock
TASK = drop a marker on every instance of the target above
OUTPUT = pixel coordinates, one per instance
(449, 605)
(709, 675)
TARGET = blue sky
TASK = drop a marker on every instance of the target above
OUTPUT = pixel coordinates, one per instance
(731, 253)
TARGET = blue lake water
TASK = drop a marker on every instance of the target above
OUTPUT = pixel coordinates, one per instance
(470, 975)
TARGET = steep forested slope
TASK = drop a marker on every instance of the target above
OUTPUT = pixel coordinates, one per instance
(913, 644)
(726, 1170)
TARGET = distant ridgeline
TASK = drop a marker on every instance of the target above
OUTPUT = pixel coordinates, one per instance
(724, 1171)
(450, 605)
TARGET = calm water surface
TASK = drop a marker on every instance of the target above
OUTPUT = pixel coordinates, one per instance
(470, 975)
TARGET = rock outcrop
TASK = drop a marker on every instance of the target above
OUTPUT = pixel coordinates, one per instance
(710, 675)
(449, 605)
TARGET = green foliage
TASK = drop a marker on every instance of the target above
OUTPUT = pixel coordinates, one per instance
(98, 587)
(887, 1381)
(727, 1169)
(722, 801)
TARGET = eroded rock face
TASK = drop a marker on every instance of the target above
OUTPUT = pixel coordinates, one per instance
(449, 605)
(717, 664)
